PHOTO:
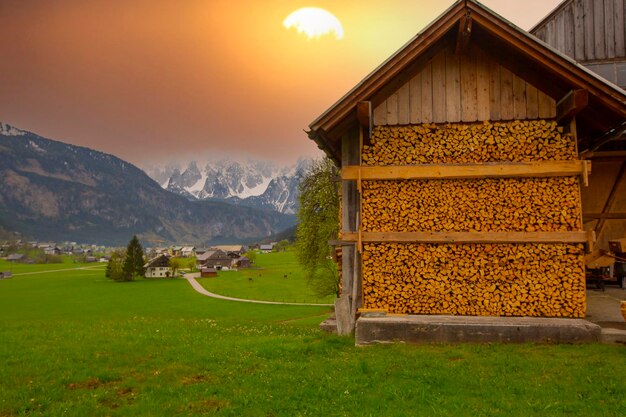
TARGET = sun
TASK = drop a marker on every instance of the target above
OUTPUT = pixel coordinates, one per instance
(314, 23)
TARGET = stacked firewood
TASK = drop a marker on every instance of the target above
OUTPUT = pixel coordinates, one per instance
(475, 279)
(521, 279)
(491, 204)
(519, 141)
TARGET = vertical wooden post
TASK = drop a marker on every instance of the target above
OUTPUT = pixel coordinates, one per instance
(350, 155)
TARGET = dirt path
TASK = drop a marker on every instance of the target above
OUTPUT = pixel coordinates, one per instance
(59, 270)
(199, 288)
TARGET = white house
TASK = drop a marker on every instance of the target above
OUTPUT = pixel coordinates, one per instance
(158, 267)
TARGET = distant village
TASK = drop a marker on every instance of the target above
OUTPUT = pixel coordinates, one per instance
(207, 261)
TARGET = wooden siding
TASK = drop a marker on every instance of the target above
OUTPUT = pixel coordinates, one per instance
(587, 30)
(468, 88)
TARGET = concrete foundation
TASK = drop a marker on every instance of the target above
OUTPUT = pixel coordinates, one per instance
(464, 329)
(611, 336)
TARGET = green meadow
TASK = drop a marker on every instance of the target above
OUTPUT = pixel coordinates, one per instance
(275, 276)
(73, 343)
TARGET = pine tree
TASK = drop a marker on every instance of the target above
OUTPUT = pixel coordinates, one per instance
(133, 262)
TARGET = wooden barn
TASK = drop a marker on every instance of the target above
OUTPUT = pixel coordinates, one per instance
(594, 34)
(462, 174)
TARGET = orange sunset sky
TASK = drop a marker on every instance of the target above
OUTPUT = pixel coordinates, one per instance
(152, 81)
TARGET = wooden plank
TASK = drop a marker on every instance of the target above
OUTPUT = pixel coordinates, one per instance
(604, 156)
(609, 30)
(532, 102)
(588, 29)
(469, 94)
(599, 28)
(439, 88)
(611, 198)
(392, 109)
(427, 94)
(472, 237)
(559, 35)
(453, 87)
(619, 27)
(571, 104)
(460, 171)
(494, 90)
(550, 32)
(519, 98)
(579, 30)
(482, 85)
(568, 18)
(507, 106)
(607, 216)
(404, 105)
(547, 106)
(415, 99)
(380, 114)
(541, 33)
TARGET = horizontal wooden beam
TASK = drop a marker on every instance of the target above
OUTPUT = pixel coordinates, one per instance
(571, 104)
(607, 216)
(458, 171)
(602, 156)
(471, 237)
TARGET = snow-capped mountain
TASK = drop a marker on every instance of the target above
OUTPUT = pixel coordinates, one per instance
(253, 183)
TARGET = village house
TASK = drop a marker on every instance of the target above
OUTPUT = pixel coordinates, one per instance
(16, 257)
(158, 267)
(471, 105)
(214, 259)
(242, 262)
(267, 248)
(207, 272)
(234, 251)
(176, 251)
(188, 251)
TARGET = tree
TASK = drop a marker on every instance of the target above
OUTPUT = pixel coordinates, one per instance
(133, 262)
(251, 254)
(114, 269)
(175, 264)
(191, 264)
(318, 218)
(283, 245)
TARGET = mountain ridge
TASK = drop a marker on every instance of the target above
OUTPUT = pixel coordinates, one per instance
(54, 190)
(253, 183)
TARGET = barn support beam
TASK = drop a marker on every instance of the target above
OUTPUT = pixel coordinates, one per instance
(364, 116)
(465, 33)
(350, 259)
(610, 199)
(613, 134)
(571, 104)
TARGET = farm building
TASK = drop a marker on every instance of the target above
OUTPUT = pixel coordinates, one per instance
(158, 267)
(462, 174)
(206, 272)
(590, 32)
(217, 259)
(594, 34)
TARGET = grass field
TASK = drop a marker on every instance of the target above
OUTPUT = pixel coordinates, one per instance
(276, 276)
(75, 344)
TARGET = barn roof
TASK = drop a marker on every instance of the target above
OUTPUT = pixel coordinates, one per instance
(529, 58)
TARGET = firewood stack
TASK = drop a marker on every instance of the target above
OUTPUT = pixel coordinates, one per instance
(500, 279)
